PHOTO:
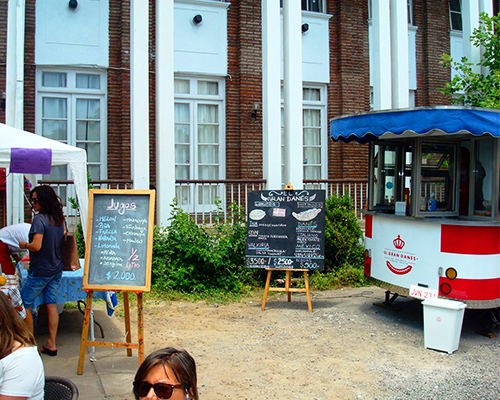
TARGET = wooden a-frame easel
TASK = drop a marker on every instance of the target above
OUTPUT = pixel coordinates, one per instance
(129, 345)
(288, 283)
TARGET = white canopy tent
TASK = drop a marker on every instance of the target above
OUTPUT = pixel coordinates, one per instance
(62, 154)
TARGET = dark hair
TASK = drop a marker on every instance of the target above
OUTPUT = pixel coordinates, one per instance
(179, 361)
(50, 203)
(12, 328)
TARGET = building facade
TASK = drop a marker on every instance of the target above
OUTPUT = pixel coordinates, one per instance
(76, 59)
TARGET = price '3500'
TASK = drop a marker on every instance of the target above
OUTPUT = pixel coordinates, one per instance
(124, 276)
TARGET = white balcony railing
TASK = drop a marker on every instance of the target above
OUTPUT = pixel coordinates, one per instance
(210, 199)
(356, 189)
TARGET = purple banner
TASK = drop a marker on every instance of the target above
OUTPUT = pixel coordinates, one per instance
(30, 161)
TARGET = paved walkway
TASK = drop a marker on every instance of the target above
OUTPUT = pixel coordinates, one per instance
(110, 376)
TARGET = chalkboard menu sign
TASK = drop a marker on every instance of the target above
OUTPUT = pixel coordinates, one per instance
(286, 229)
(119, 240)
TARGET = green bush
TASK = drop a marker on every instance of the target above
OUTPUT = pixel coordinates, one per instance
(195, 258)
(342, 235)
(208, 260)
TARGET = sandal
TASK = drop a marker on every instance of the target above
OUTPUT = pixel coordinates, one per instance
(51, 353)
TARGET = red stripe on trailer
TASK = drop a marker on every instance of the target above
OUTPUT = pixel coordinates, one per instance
(471, 289)
(368, 226)
(464, 239)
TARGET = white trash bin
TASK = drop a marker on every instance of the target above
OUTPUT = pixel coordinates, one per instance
(443, 324)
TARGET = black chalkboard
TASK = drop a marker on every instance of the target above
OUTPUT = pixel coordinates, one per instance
(119, 240)
(286, 229)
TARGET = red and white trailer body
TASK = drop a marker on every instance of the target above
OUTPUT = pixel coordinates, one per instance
(461, 260)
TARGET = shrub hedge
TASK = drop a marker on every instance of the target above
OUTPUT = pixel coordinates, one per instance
(195, 258)
(202, 259)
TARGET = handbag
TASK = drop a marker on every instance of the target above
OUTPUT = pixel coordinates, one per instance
(69, 251)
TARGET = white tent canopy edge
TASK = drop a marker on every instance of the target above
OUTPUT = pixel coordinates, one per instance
(62, 154)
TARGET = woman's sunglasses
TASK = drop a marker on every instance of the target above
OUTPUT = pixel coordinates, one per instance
(162, 390)
(33, 201)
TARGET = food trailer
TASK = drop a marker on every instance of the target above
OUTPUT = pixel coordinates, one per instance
(433, 207)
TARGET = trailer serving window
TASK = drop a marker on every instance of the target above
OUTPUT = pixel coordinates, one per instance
(390, 181)
(437, 168)
(430, 161)
(478, 177)
(405, 167)
(449, 178)
(384, 160)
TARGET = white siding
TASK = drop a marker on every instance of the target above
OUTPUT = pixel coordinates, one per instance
(72, 37)
(200, 48)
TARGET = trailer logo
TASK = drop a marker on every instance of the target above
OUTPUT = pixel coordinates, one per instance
(398, 243)
(399, 262)
(398, 271)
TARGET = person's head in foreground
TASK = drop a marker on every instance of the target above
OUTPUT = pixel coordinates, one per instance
(167, 374)
(12, 328)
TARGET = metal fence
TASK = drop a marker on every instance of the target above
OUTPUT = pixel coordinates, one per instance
(356, 189)
(208, 200)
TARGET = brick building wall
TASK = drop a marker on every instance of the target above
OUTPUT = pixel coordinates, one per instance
(244, 88)
(3, 52)
(29, 67)
(119, 90)
(433, 40)
(3, 55)
(233, 84)
(348, 91)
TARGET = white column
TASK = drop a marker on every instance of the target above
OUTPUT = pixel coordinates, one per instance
(292, 52)
(14, 101)
(399, 55)
(485, 6)
(470, 21)
(139, 93)
(271, 92)
(382, 85)
(165, 136)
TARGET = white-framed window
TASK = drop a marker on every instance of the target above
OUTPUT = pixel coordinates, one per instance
(71, 107)
(456, 15)
(314, 122)
(199, 140)
(410, 11)
(311, 5)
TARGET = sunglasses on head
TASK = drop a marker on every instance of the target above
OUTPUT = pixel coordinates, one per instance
(33, 201)
(162, 390)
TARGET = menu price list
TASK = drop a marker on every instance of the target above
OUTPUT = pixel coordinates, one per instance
(286, 229)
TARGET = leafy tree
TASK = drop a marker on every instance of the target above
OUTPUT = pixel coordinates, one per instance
(468, 87)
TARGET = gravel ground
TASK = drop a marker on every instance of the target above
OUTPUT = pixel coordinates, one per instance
(347, 348)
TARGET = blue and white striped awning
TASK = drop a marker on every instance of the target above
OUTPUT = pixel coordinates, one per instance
(445, 120)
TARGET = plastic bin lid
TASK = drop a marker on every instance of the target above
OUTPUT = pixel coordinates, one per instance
(442, 303)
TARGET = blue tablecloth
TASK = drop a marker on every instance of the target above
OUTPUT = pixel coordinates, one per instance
(70, 289)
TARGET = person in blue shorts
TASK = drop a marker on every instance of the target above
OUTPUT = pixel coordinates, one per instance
(46, 266)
